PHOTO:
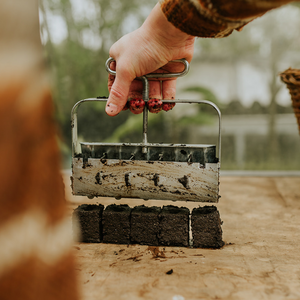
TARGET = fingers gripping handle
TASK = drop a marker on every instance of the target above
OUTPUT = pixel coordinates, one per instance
(146, 86)
(155, 75)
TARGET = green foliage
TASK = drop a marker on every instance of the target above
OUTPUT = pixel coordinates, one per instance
(94, 125)
(198, 119)
(206, 93)
(132, 126)
(78, 66)
(235, 107)
(204, 112)
(78, 72)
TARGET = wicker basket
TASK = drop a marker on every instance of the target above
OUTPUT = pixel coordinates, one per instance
(291, 77)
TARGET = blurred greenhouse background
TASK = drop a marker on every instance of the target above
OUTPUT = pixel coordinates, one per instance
(239, 73)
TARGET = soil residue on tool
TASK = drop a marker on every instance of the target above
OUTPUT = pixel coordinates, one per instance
(98, 178)
(127, 180)
(184, 181)
(156, 179)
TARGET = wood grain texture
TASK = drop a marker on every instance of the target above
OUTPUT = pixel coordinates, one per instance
(260, 260)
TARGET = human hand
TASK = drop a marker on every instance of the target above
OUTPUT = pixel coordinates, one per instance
(147, 50)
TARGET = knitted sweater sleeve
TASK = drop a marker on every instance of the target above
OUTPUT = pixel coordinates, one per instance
(215, 18)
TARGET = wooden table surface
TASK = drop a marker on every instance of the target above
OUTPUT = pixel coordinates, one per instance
(261, 258)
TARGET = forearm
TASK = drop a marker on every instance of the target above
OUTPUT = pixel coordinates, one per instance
(157, 26)
(145, 51)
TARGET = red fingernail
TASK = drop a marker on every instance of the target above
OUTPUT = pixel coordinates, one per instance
(154, 105)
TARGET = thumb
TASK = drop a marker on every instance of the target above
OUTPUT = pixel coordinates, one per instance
(118, 94)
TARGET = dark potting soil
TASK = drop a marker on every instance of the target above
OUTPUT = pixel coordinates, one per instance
(116, 224)
(174, 226)
(151, 226)
(206, 227)
(88, 217)
(145, 225)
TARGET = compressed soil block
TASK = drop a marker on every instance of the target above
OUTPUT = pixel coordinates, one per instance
(206, 227)
(145, 225)
(89, 217)
(116, 224)
(291, 77)
(174, 226)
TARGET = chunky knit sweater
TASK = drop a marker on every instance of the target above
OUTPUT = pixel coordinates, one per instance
(215, 18)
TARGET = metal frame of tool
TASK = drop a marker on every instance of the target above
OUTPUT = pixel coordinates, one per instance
(186, 172)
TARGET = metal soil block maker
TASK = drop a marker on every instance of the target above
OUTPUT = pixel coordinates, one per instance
(186, 172)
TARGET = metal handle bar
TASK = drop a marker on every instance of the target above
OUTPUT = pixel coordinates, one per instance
(154, 75)
(74, 126)
(146, 86)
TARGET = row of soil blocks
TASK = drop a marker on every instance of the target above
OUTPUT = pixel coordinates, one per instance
(155, 226)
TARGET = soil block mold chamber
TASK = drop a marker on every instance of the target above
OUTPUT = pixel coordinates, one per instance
(177, 172)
